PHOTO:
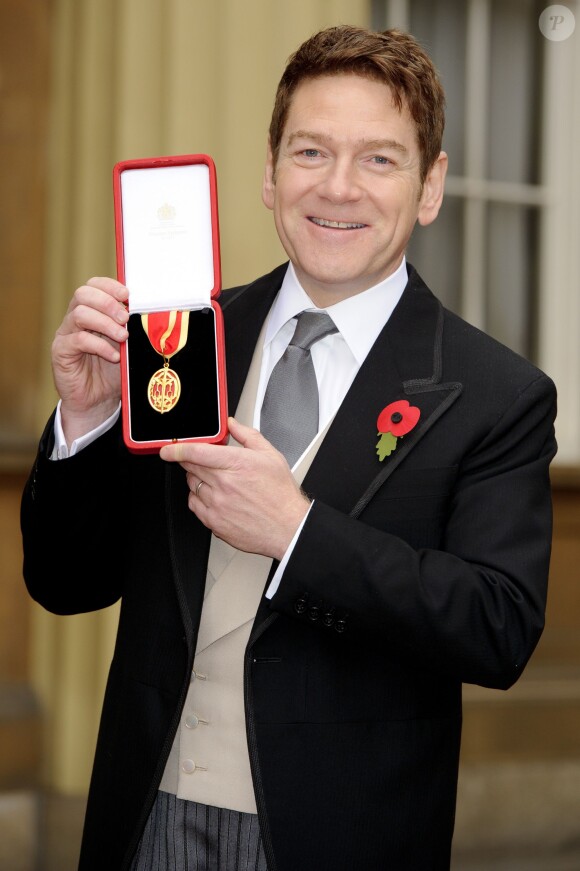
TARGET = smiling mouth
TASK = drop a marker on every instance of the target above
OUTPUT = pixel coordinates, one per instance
(336, 225)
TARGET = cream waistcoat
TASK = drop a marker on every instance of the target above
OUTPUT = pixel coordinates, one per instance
(209, 761)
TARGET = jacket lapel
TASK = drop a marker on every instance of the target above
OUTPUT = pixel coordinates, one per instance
(404, 363)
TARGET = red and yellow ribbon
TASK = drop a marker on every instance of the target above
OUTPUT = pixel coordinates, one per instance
(167, 332)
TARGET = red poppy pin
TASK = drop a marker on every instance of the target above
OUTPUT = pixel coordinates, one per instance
(395, 420)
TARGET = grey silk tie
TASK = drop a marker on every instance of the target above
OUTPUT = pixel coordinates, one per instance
(289, 416)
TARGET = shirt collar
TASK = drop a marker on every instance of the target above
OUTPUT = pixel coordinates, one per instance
(359, 319)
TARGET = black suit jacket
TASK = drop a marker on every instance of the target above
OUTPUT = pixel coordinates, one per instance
(411, 576)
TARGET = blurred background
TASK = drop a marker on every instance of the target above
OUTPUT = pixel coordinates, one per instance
(86, 83)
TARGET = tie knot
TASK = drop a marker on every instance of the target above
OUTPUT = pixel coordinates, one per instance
(311, 327)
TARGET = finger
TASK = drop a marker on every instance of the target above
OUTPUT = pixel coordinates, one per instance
(111, 286)
(94, 311)
(102, 294)
(199, 499)
(195, 482)
(68, 346)
(199, 455)
(201, 490)
(87, 319)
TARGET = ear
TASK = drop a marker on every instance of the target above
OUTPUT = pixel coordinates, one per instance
(432, 193)
(268, 183)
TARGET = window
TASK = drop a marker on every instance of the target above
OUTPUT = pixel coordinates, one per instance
(503, 252)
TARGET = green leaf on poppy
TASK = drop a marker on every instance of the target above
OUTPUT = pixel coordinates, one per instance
(386, 445)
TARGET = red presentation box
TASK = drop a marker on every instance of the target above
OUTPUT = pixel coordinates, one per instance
(173, 381)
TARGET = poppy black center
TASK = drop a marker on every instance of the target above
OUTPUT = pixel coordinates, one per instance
(396, 417)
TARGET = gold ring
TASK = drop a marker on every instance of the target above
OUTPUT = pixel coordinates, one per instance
(198, 488)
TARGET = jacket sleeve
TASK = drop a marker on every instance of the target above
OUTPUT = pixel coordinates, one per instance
(473, 607)
(72, 520)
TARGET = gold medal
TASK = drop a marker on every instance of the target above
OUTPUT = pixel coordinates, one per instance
(167, 332)
(164, 389)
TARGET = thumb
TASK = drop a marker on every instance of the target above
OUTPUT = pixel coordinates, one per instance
(247, 436)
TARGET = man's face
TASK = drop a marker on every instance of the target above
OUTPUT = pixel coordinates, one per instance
(346, 189)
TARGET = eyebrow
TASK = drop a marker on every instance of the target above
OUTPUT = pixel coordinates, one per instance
(325, 139)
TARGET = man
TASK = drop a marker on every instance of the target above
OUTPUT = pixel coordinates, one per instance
(286, 683)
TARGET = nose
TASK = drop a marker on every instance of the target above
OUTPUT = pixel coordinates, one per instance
(340, 183)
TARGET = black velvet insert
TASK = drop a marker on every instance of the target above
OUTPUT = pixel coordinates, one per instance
(196, 414)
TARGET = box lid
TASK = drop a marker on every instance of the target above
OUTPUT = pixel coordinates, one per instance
(167, 233)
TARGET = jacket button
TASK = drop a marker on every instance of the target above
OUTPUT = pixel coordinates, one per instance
(314, 612)
(300, 604)
(340, 624)
(328, 617)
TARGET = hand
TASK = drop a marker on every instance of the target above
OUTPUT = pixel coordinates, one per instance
(85, 355)
(248, 497)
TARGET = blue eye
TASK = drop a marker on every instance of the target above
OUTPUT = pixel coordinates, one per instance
(311, 152)
(381, 160)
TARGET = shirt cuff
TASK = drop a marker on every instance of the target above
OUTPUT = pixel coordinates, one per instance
(275, 582)
(61, 451)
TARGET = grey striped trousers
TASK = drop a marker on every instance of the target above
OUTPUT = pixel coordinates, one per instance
(185, 836)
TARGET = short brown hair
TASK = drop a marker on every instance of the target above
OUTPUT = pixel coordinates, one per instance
(392, 57)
